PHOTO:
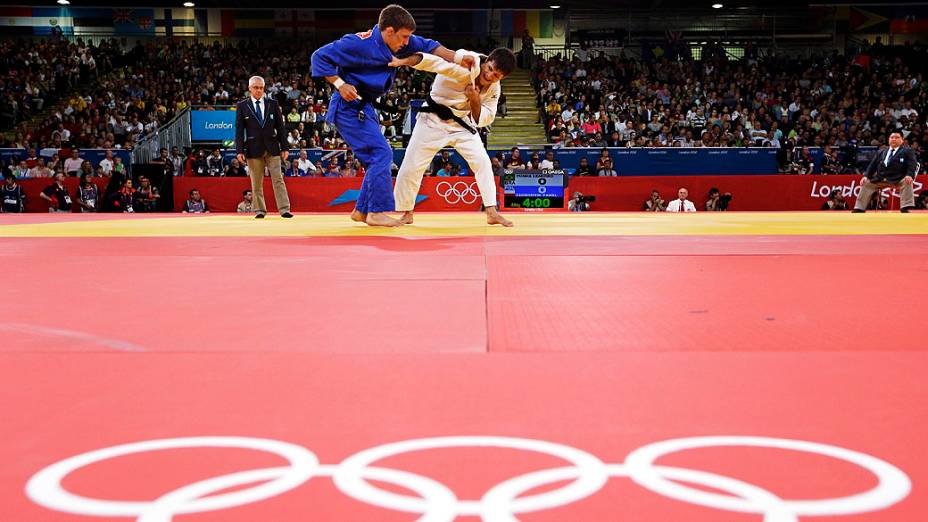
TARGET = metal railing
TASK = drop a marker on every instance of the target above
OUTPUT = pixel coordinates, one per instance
(175, 133)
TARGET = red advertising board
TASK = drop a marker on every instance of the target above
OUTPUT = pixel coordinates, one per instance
(777, 192)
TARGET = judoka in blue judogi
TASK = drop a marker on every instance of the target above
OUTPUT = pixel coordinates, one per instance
(359, 66)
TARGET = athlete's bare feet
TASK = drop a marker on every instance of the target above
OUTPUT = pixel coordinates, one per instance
(406, 218)
(381, 219)
(495, 218)
(357, 215)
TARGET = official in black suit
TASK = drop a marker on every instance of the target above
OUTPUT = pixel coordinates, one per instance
(893, 166)
(260, 137)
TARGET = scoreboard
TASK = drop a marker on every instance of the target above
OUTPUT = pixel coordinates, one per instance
(533, 189)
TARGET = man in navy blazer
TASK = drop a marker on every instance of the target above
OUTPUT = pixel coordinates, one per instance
(261, 142)
(894, 166)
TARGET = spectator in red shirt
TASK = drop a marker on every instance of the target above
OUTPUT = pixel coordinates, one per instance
(57, 195)
(122, 199)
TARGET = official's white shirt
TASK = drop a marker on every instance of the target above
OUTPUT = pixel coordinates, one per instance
(307, 165)
(448, 87)
(675, 206)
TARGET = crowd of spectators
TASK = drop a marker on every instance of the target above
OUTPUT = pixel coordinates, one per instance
(842, 102)
(113, 95)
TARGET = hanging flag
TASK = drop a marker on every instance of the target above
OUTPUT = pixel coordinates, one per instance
(133, 21)
(292, 22)
(862, 21)
(175, 22)
(201, 22)
(910, 24)
(24, 21)
(518, 24)
(425, 20)
(92, 21)
(246, 22)
(480, 25)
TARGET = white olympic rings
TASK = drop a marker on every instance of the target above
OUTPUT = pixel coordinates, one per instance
(435, 502)
(460, 191)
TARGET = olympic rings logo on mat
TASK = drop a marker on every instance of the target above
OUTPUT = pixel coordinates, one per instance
(502, 502)
(458, 192)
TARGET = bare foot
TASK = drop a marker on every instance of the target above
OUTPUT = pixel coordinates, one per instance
(380, 219)
(357, 215)
(495, 218)
(406, 218)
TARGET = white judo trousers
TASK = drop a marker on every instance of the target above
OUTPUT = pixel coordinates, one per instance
(430, 135)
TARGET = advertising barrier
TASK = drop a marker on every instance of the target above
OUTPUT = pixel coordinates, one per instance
(217, 125)
(781, 192)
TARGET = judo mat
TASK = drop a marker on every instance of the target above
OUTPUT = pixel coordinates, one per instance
(600, 366)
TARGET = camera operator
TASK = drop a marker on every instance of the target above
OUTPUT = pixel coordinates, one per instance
(580, 203)
(717, 201)
(654, 203)
(835, 201)
(830, 163)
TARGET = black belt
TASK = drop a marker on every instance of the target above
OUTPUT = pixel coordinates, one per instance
(445, 113)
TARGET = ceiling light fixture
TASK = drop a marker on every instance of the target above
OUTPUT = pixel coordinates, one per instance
(188, 4)
(717, 6)
(63, 2)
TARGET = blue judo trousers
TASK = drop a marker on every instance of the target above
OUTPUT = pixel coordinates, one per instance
(361, 60)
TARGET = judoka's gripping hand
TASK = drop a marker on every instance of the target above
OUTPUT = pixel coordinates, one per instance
(473, 95)
(348, 92)
(468, 62)
(473, 99)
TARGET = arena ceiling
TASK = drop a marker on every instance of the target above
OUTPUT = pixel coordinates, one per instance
(476, 4)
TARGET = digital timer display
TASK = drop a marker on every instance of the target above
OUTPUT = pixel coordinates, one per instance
(533, 189)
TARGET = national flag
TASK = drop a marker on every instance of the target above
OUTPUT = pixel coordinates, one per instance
(540, 23)
(863, 21)
(425, 20)
(345, 21)
(92, 21)
(201, 22)
(174, 21)
(258, 22)
(294, 21)
(909, 25)
(133, 21)
(45, 18)
(123, 16)
(39, 20)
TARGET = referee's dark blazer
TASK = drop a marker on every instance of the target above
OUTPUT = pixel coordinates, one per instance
(254, 139)
(902, 164)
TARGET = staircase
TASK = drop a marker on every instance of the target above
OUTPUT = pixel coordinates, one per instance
(519, 127)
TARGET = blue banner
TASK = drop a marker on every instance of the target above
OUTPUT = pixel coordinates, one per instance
(630, 161)
(216, 125)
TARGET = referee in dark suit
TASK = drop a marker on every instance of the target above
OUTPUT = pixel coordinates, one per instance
(893, 166)
(260, 137)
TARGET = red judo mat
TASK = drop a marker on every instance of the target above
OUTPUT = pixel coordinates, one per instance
(702, 379)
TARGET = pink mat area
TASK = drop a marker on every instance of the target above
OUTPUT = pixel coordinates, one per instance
(464, 294)
(607, 404)
(603, 345)
(680, 302)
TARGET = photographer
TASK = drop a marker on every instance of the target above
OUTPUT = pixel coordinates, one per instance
(580, 203)
(717, 201)
(830, 164)
(654, 203)
(835, 201)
